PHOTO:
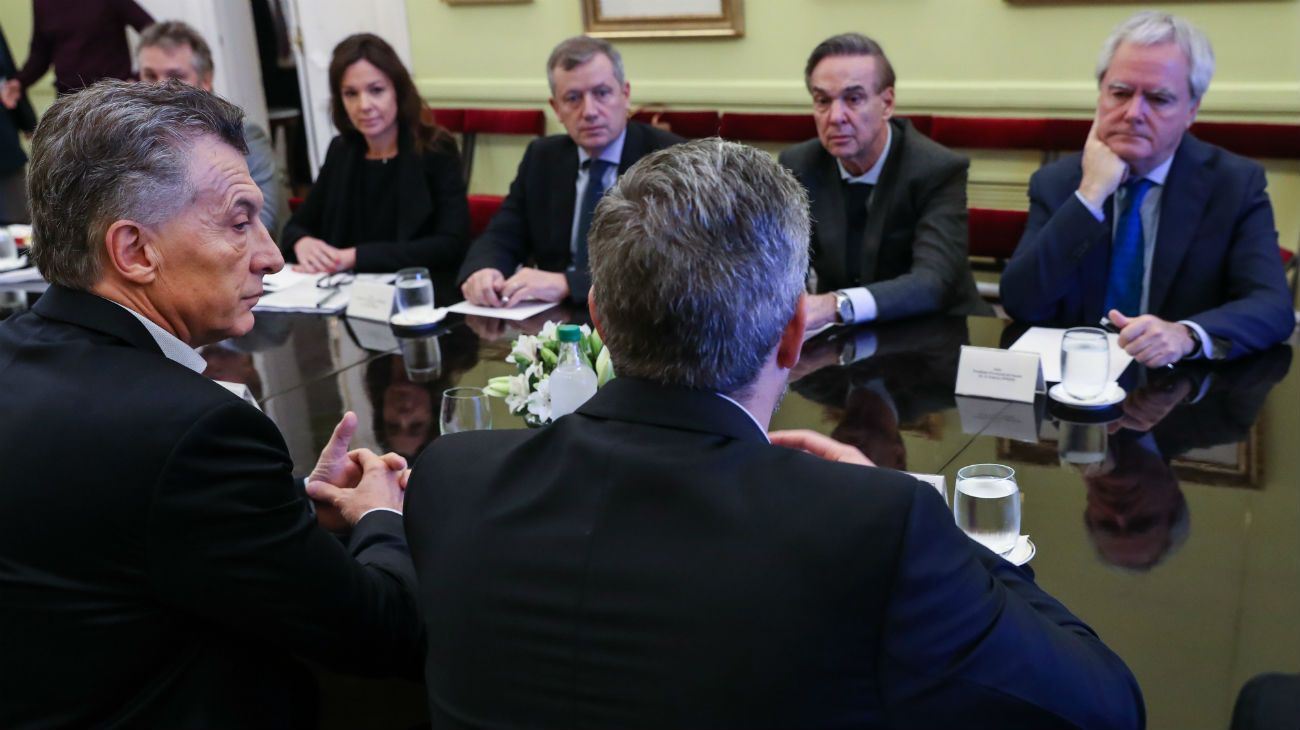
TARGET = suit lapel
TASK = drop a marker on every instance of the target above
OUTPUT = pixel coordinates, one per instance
(1095, 270)
(564, 194)
(828, 215)
(87, 310)
(641, 401)
(633, 146)
(1186, 190)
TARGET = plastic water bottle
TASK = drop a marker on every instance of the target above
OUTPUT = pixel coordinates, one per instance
(573, 381)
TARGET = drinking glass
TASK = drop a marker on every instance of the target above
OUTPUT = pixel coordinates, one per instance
(465, 409)
(422, 358)
(414, 297)
(8, 247)
(1085, 362)
(1081, 443)
(986, 505)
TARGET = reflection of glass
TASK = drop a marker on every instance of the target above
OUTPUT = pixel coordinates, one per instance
(1085, 362)
(414, 297)
(422, 358)
(986, 505)
(1081, 443)
(465, 409)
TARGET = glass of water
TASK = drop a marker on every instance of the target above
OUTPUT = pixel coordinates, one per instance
(1085, 362)
(986, 505)
(414, 297)
(465, 409)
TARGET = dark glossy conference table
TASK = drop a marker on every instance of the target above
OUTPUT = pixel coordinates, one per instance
(1173, 531)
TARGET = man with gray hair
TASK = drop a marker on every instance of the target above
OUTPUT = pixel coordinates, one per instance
(160, 563)
(653, 560)
(1168, 238)
(535, 247)
(174, 50)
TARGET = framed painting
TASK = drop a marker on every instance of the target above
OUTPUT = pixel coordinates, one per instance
(663, 18)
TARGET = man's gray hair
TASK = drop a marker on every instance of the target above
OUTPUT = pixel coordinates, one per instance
(573, 52)
(171, 34)
(698, 258)
(1151, 28)
(115, 151)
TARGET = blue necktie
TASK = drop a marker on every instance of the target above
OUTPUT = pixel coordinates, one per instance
(1124, 288)
(595, 188)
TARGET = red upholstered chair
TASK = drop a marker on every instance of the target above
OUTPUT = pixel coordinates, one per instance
(295, 201)
(481, 210)
(1268, 141)
(990, 133)
(753, 127)
(689, 124)
(994, 234)
(531, 122)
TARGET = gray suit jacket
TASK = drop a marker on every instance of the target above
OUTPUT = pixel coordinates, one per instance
(914, 257)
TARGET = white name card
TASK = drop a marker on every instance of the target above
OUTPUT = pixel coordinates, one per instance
(240, 390)
(1019, 421)
(371, 300)
(1001, 374)
(935, 480)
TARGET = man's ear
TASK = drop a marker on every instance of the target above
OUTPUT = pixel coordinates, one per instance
(128, 254)
(591, 309)
(791, 344)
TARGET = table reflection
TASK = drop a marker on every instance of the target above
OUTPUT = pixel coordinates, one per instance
(404, 389)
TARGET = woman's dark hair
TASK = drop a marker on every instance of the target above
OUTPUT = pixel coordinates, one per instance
(425, 134)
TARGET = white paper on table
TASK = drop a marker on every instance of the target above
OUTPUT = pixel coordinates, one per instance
(305, 298)
(20, 276)
(1046, 341)
(513, 312)
(935, 480)
(240, 390)
(287, 277)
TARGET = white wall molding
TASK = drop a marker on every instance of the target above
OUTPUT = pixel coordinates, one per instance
(1278, 102)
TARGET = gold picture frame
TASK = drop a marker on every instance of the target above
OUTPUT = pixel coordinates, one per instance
(647, 19)
(486, 2)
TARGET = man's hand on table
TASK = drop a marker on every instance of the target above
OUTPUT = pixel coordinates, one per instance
(1152, 341)
(483, 288)
(821, 311)
(819, 445)
(339, 472)
(535, 285)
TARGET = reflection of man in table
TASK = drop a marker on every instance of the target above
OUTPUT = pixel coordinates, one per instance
(1136, 514)
(1170, 237)
(161, 563)
(652, 561)
(888, 204)
(405, 410)
(542, 225)
(884, 378)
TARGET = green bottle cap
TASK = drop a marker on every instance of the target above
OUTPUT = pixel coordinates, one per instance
(570, 333)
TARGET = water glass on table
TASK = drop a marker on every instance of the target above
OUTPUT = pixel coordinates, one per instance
(986, 505)
(1085, 362)
(414, 297)
(464, 409)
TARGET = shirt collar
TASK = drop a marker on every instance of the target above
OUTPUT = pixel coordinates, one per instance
(870, 176)
(757, 425)
(1160, 172)
(613, 152)
(172, 347)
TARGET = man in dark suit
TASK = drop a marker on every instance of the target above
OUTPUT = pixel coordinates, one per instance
(160, 564)
(542, 225)
(1170, 238)
(653, 561)
(888, 204)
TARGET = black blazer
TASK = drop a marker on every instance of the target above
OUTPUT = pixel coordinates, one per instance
(1216, 259)
(652, 562)
(915, 250)
(535, 223)
(433, 214)
(22, 117)
(159, 563)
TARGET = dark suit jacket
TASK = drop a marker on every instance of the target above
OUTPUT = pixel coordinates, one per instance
(159, 562)
(22, 117)
(1215, 263)
(432, 212)
(914, 255)
(534, 226)
(652, 562)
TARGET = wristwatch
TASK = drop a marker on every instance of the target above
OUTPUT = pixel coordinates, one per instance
(843, 308)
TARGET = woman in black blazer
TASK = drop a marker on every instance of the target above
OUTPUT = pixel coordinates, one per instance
(391, 193)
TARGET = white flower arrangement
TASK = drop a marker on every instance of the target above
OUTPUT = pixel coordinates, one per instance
(528, 392)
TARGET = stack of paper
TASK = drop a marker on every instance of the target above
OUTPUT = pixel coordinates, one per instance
(1046, 341)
